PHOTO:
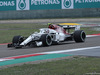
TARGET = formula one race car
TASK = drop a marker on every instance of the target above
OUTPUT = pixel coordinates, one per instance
(54, 34)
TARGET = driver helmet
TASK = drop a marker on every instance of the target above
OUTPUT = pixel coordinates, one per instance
(51, 26)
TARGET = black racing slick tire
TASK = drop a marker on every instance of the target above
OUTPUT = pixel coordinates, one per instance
(17, 40)
(79, 36)
(46, 40)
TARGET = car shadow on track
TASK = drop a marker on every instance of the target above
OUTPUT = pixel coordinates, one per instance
(39, 47)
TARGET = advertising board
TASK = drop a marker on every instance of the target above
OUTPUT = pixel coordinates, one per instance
(6, 5)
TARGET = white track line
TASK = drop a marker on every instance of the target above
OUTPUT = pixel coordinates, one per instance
(5, 59)
(71, 50)
(92, 35)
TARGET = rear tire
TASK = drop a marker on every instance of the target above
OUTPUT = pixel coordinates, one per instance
(79, 36)
(46, 40)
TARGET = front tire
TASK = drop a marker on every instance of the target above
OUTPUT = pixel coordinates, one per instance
(17, 40)
(79, 36)
(46, 40)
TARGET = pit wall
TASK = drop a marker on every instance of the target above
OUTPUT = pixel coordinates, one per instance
(57, 13)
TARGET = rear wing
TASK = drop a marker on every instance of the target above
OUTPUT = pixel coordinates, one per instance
(75, 26)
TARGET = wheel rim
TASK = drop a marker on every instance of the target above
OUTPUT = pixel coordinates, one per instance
(83, 36)
(48, 40)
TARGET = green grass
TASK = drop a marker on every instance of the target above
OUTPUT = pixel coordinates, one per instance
(90, 30)
(7, 31)
(73, 66)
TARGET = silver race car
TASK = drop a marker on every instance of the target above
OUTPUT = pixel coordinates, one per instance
(54, 34)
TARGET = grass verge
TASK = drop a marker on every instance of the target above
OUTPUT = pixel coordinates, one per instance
(78, 65)
(7, 31)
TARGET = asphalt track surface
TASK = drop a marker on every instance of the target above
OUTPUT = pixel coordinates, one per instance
(90, 42)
